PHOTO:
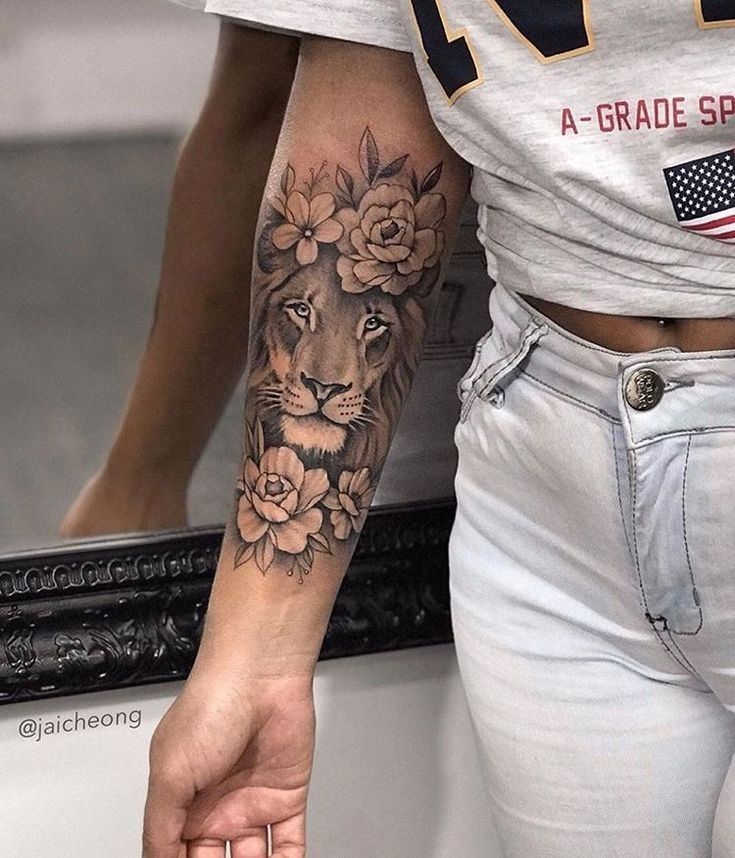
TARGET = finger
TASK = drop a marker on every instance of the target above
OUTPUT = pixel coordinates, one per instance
(162, 826)
(289, 837)
(252, 845)
(205, 849)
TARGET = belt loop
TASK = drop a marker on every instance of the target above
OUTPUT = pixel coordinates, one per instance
(487, 379)
(484, 385)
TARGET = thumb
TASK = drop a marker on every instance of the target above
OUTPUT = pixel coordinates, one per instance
(165, 816)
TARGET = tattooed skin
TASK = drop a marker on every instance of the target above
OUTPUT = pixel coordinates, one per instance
(346, 261)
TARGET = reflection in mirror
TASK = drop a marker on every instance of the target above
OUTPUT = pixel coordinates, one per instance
(84, 230)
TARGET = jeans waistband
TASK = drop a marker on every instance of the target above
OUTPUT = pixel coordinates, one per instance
(692, 391)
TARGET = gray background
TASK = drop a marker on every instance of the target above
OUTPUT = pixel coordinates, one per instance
(81, 232)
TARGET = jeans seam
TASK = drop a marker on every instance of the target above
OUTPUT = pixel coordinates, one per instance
(502, 368)
(684, 661)
(572, 399)
(686, 542)
(620, 494)
(668, 649)
(681, 661)
(729, 355)
(634, 530)
(701, 430)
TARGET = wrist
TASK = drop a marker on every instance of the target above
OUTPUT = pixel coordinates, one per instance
(255, 656)
(143, 471)
(267, 627)
(256, 684)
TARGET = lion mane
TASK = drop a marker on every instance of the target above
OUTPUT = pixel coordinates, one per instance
(309, 336)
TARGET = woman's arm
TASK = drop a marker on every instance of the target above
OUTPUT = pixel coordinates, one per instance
(361, 205)
(198, 343)
(359, 212)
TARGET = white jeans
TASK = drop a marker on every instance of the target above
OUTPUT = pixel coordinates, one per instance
(593, 591)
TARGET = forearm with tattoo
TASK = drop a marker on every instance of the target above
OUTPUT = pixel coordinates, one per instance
(347, 257)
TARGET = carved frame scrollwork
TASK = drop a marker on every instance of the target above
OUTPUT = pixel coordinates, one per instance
(123, 612)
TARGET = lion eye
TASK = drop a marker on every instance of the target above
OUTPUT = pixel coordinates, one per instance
(300, 309)
(374, 323)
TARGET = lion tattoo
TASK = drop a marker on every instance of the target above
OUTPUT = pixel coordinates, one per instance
(346, 264)
(330, 368)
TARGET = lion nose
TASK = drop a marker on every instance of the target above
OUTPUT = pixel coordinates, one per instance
(323, 392)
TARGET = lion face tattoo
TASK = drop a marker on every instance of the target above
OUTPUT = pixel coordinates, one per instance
(331, 362)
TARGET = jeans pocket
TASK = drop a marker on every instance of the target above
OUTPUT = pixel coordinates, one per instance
(494, 361)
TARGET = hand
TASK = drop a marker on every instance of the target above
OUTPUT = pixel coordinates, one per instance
(227, 760)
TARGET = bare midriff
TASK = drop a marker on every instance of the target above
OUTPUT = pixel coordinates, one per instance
(639, 334)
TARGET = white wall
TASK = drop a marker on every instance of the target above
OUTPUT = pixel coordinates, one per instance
(71, 67)
(395, 773)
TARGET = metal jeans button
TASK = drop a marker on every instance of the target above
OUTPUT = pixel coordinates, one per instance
(644, 389)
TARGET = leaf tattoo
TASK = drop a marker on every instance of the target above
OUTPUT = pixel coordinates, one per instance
(346, 185)
(392, 168)
(369, 156)
(432, 178)
(288, 180)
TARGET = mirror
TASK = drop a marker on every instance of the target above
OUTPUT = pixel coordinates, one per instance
(101, 97)
(82, 229)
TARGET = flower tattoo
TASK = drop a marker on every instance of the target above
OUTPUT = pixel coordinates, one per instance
(276, 510)
(349, 502)
(390, 241)
(345, 260)
(308, 223)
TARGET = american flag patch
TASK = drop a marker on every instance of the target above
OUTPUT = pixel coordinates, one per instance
(703, 195)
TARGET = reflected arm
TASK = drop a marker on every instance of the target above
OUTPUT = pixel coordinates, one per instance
(197, 347)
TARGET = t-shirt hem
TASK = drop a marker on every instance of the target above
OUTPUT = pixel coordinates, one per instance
(363, 22)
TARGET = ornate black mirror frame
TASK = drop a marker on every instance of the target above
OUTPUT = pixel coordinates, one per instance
(121, 612)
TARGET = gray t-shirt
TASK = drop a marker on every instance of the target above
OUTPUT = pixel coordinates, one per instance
(601, 135)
